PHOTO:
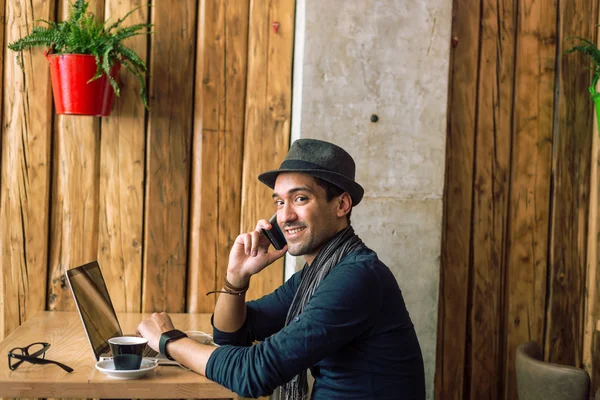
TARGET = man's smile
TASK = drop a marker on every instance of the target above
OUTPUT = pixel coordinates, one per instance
(292, 232)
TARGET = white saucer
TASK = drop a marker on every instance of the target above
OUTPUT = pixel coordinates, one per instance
(108, 367)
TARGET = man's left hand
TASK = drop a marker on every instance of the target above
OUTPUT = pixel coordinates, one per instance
(153, 327)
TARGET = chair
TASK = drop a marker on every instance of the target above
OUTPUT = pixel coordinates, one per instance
(540, 380)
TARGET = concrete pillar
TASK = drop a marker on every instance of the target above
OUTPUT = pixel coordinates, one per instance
(358, 58)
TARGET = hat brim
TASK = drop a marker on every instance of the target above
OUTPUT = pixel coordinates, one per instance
(354, 189)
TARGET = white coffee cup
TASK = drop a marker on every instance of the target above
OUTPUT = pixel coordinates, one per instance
(127, 351)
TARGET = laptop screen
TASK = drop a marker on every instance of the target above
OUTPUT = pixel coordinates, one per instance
(94, 305)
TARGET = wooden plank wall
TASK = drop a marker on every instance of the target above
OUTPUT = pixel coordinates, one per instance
(215, 211)
(571, 188)
(74, 191)
(517, 197)
(591, 337)
(267, 117)
(456, 228)
(122, 166)
(157, 196)
(25, 170)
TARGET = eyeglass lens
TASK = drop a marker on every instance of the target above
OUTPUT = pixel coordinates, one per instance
(37, 350)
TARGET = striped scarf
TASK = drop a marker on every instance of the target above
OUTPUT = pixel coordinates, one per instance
(330, 255)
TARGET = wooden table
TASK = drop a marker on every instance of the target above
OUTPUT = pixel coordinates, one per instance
(64, 331)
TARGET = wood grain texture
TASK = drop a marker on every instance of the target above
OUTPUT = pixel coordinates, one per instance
(25, 168)
(570, 197)
(591, 351)
(64, 331)
(450, 380)
(530, 181)
(169, 149)
(268, 108)
(74, 207)
(75, 182)
(121, 200)
(490, 197)
(74, 188)
(218, 146)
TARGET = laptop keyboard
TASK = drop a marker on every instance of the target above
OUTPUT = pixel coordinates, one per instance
(149, 352)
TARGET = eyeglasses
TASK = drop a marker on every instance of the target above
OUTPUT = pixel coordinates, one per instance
(35, 353)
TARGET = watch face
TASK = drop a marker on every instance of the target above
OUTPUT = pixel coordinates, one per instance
(168, 337)
(174, 334)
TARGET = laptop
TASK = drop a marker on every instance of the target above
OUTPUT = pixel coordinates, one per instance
(97, 313)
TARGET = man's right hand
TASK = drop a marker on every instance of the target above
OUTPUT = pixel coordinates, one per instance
(250, 255)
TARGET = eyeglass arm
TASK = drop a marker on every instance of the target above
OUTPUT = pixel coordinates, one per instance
(36, 360)
(45, 347)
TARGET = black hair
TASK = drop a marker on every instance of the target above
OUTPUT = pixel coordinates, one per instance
(332, 191)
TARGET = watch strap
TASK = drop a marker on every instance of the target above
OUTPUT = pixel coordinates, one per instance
(167, 337)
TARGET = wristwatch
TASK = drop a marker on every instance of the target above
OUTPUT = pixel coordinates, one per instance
(167, 337)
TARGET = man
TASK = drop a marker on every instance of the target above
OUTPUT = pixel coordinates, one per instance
(343, 316)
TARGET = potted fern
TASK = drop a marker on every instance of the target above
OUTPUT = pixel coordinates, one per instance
(589, 49)
(85, 57)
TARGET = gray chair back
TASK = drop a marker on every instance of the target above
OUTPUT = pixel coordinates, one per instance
(540, 380)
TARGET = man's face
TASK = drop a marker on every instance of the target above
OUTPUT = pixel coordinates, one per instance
(305, 217)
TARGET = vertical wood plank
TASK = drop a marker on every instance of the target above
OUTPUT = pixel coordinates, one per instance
(530, 180)
(591, 351)
(168, 156)
(570, 197)
(121, 200)
(490, 197)
(218, 146)
(209, 115)
(592, 308)
(450, 380)
(25, 168)
(74, 208)
(268, 108)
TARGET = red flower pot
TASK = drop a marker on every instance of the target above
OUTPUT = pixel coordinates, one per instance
(73, 94)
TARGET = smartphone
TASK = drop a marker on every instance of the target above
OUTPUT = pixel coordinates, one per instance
(274, 234)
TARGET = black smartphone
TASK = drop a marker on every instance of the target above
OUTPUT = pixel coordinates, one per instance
(274, 234)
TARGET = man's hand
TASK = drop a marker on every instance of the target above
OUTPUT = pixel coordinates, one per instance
(250, 255)
(187, 351)
(154, 327)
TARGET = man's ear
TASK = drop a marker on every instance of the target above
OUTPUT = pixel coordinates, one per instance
(344, 204)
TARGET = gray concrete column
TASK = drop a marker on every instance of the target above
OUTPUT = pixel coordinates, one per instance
(358, 58)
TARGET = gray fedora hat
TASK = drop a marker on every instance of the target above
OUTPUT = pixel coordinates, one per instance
(320, 159)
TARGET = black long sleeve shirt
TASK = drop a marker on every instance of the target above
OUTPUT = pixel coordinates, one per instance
(355, 335)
